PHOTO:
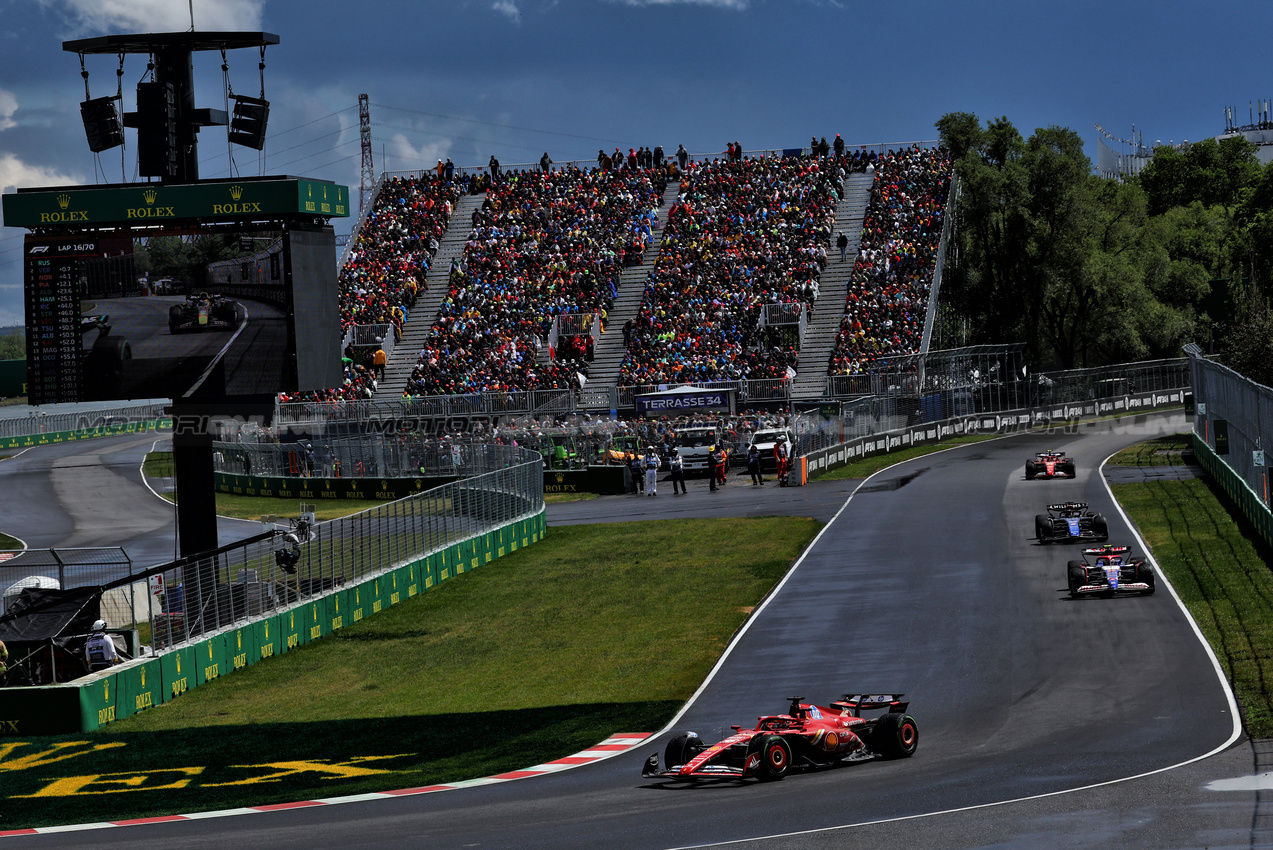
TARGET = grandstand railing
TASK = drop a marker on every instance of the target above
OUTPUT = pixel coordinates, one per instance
(245, 581)
(368, 335)
(943, 247)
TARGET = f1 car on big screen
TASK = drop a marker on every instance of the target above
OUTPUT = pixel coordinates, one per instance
(805, 738)
(1107, 570)
(1070, 521)
(1049, 464)
(203, 311)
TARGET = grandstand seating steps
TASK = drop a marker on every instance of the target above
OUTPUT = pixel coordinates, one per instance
(833, 287)
(603, 372)
(425, 312)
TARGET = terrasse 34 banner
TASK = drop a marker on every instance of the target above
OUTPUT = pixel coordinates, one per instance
(677, 403)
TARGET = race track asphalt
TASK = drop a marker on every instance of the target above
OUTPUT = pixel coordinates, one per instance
(928, 582)
(90, 493)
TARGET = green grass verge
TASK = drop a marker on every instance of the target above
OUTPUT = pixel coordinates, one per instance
(13, 401)
(254, 507)
(596, 629)
(7, 542)
(868, 466)
(1218, 565)
(157, 465)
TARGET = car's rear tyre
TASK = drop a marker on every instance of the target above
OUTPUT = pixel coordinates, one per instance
(1100, 527)
(775, 758)
(1042, 525)
(895, 736)
(1076, 576)
(1146, 574)
(682, 749)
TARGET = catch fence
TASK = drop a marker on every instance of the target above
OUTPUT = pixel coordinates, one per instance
(35, 424)
(1234, 421)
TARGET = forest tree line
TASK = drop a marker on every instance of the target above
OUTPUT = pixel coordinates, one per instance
(1090, 271)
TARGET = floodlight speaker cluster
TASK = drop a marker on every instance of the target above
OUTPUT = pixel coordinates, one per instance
(156, 130)
(247, 126)
(101, 124)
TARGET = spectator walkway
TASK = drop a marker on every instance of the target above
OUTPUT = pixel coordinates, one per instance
(824, 324)
(603, 375)
(407, 350)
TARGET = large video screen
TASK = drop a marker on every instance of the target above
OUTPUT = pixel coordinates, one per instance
(180, 315)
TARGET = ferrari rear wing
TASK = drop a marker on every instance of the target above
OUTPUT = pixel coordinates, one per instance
(854, 704)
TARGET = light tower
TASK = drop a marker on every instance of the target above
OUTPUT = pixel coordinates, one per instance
(368, 181)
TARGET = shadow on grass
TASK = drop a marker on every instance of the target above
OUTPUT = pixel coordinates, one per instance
(104, 776)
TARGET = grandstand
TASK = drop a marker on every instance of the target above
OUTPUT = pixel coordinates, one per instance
(728, 272)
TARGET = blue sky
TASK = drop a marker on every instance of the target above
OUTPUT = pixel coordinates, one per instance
(518, 77)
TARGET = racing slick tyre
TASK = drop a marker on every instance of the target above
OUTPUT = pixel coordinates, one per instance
(1146, 574)
(1067, 468)
(682, 749)
(1042, 525)
(175, 317)
(1076, 575)
(1029, 470)
(1100, 527)
(775, 758)
(895, 736)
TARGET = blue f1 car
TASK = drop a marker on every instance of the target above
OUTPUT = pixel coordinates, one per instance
(1070, 521)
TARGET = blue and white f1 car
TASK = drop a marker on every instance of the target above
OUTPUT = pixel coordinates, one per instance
(1070, 521)
(1107, 570)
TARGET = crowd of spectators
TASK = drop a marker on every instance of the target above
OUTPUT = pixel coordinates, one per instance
(743, 233)
(544, 243)
(888, 291)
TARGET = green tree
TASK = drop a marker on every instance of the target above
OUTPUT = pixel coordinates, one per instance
(13, 346)
(1211, 172)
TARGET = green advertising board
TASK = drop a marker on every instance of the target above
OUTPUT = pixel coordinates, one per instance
(97, 700)
(211, 660)
(177, 670)
(241, 649)
(268, 638)
(292, 628)
(140, 686)
(155, 204)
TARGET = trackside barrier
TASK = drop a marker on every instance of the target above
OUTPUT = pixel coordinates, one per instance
(1004, 422)
(1251, 504)
(102, 698)
(25, 441)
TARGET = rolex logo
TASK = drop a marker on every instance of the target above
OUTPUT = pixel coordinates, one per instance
(64, 200)
(150, 195)
(560, 477)
(236, 192)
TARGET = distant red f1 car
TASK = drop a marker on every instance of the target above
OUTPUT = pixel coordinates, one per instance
(1050, 464)
(805, 738)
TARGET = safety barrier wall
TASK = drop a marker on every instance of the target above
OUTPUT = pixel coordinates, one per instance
(1234, 421)
(832, 457)
(103, 698)
(52, 437)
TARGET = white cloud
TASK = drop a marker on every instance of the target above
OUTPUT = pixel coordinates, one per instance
(738, 5)
(100, 16)
(8, 106)
(508, 8)
(16, 174)
(401, 155)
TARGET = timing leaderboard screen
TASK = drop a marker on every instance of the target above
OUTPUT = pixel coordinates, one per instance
(176, 315)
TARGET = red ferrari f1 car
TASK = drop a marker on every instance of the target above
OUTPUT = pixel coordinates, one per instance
(805, 738)
(1050, 464)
